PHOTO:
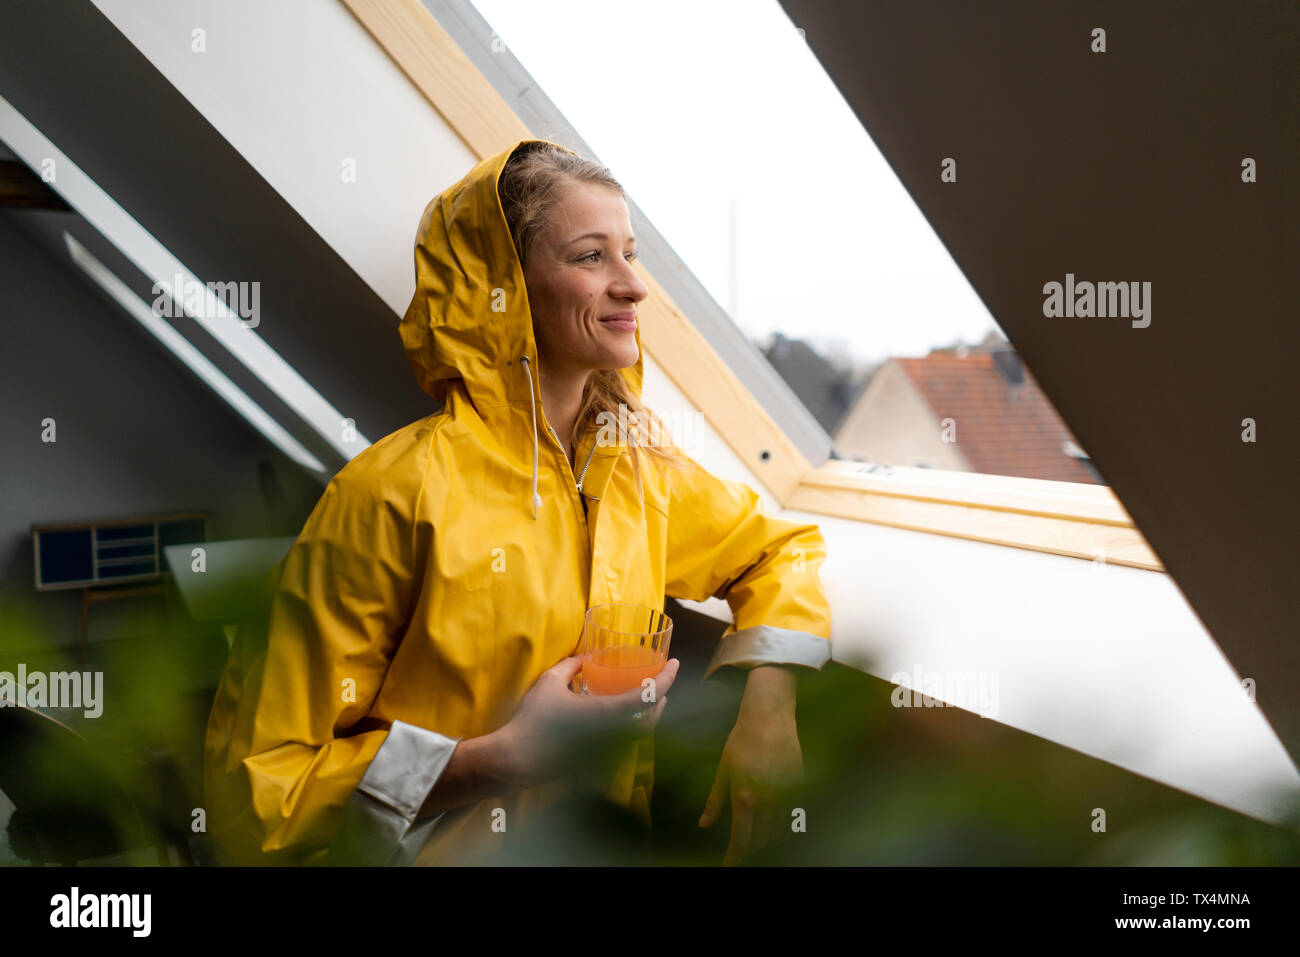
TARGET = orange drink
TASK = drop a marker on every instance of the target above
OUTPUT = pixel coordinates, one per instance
(621, 646)
(621, 668)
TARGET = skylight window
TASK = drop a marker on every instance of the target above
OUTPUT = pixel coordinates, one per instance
(722, 124)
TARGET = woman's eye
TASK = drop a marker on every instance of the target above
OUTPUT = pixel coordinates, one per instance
(595, 254)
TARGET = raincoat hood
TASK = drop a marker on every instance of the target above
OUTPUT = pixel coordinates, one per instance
(469, 327)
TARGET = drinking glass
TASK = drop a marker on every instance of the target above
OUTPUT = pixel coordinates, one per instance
(621, 646)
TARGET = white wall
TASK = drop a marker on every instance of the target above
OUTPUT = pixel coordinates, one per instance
(1109, 661)
(298, 86)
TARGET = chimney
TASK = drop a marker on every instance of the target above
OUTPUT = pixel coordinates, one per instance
(1007, 362)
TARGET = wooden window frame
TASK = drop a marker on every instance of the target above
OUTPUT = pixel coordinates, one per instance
(1062, 518)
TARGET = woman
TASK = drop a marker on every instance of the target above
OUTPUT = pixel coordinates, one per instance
(412, 690)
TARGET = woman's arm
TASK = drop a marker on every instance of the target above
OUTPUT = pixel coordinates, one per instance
(418, 774)
(283, 754)
(762, 763)
(720, 543)
(539, 742)
(769, 689)
(479, 768)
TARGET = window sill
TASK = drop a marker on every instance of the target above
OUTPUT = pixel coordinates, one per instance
(1062, 518)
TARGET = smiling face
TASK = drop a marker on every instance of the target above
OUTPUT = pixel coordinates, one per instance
(582, 291)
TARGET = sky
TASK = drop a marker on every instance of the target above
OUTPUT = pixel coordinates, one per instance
(717, 118)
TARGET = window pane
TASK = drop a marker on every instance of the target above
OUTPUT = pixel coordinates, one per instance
(721, 123)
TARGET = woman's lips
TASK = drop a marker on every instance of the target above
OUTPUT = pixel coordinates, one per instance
(623, 325)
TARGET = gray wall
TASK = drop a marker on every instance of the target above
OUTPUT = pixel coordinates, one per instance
(136, 433)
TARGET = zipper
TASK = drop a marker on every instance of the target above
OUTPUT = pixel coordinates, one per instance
(584, 471)
(590, 455)
(581, 511)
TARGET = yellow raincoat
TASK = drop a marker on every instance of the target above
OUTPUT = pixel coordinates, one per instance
(450, 564)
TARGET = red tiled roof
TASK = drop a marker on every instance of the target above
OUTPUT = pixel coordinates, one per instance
(1002, 429)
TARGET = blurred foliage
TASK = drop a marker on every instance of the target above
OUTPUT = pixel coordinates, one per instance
(883, 785)
(904, 786)
(87, 787)
(942, 786)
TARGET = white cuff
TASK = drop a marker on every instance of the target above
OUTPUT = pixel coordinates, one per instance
(379, 825)
(769, 645)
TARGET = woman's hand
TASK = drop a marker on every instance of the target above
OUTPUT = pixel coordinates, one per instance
(544, 738)
(762, 762)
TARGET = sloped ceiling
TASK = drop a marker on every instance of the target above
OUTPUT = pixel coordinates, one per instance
(1124, 166)
(73, 74)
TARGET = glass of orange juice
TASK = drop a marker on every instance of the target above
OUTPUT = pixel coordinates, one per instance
(621, 646)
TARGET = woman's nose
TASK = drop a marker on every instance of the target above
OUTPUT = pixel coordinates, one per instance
(629, 285)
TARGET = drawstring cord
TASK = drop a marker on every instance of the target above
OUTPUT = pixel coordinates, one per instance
(537, 499)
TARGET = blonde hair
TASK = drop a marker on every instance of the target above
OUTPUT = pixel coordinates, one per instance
(530, 187)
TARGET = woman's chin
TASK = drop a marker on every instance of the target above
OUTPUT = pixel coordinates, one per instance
(620, 360)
